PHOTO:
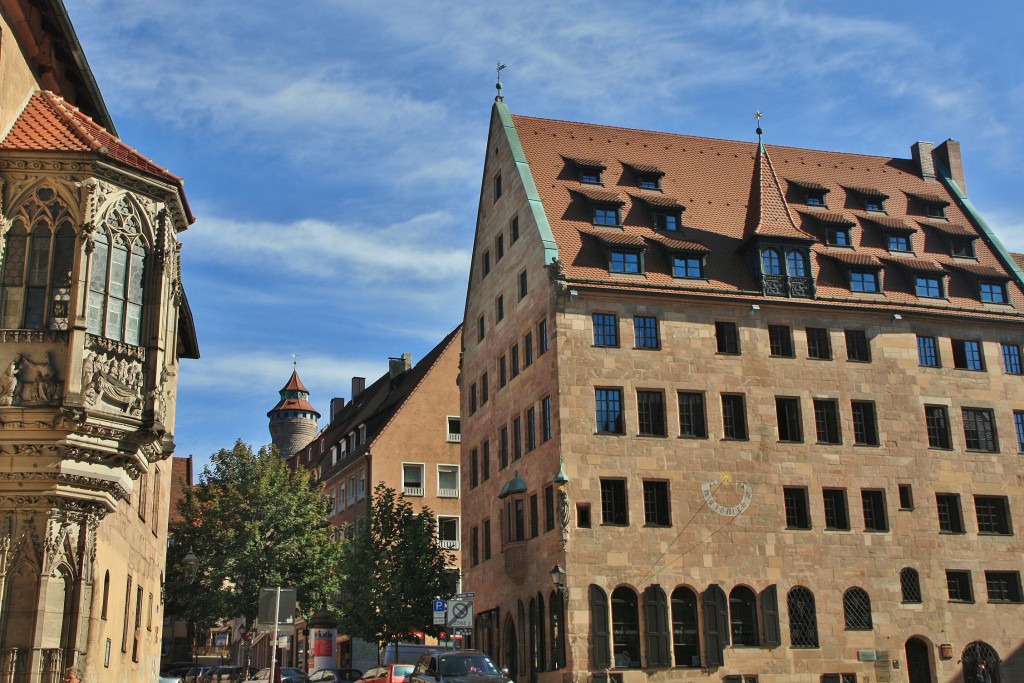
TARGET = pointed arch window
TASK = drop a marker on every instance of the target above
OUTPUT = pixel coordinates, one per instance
(116, 273)
(39, 254)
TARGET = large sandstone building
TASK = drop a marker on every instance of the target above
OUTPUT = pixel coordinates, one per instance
(93, 322)
(757, 409)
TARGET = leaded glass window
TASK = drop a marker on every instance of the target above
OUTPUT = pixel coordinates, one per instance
(116, 274)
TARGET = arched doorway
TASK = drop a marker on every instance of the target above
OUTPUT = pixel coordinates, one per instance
(511, 651)
(919, 665)
(975, 653)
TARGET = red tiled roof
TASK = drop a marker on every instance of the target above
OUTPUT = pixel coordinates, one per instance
(727, 197)
(890, 223)
(978, 270)
(808, 185)
(585, 163)
(658, 200)
(615, 237)
(928, 197)
(644, 168)
(953, 229)
(1018, 258)
(866, 191)
(49, 123)
(674, 243)
(294, 383)
(598, 194)
(294, 404)
(916, 265)
(852, 258)
(827, 217)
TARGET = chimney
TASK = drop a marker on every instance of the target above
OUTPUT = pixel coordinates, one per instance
(337, 403)
(949, 154)
(922, 154)
(358, 384)
(396, 366)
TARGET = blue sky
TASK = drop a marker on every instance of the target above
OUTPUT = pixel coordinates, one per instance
(333, 149)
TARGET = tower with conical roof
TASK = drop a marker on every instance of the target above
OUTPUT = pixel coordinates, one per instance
(293, 421)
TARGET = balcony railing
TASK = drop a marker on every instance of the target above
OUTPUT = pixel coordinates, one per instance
(447, 493)
(448, 544)
(413, 491)
(455, 438)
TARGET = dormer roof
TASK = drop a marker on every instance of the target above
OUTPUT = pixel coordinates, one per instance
(768, 212)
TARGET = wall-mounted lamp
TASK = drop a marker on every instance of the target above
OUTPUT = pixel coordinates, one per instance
(561, 479)
(573, 292)
(558, 578)
(897, 316)
(754, 308)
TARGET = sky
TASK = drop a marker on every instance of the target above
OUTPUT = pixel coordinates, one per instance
(332, 150)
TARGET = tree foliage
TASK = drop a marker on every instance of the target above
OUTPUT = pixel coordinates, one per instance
(392, 567)
(252, 523)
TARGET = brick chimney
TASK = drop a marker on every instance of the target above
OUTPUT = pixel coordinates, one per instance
(337, 403)
(358, 384)
(949, 154)
(922, 155)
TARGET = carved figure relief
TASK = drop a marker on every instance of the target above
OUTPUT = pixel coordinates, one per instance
(37, 382)
(109, 380)
(8, 384)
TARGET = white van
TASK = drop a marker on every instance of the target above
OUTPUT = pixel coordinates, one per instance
(410, 653)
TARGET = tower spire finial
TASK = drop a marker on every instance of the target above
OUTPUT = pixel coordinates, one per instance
(757, 117)
(295, 360)
(499, 97)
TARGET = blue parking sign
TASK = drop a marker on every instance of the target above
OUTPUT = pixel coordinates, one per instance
(439, 606)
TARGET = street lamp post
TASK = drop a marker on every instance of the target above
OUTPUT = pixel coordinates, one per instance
(191, 563)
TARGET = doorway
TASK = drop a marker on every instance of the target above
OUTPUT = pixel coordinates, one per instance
(919, 665)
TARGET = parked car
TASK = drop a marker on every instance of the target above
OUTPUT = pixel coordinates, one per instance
(229, 673)
(335, 676)
(464, 666)
(288, 675)
(169, 678)
(410, 653)
(195, 674)
(392, 673)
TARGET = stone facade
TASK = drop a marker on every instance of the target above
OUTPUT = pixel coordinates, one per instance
(833, 544)
(94, 322)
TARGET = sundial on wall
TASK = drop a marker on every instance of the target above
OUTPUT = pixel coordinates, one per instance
(730, 498)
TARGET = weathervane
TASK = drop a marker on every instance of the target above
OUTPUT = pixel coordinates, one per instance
(499, 97)
(757, 117)
(295, 360)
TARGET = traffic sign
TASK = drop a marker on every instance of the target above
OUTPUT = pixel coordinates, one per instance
(439, 618)
(439, 605)
(460, 614)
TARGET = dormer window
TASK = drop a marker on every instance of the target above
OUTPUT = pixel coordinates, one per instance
(785, 270)
(898, 242)
(667, 220)
(771, 262)
(649, 181)
(627, 261)
(836, 236)
(606, 214)
(796, 263)
(591, 176)
(874, 204)
(866, 198)
(935, 210)
(927, 204)
(590, 170)
(928, 286)
(993, 292)
(814, 198)
(961, 247)
(687, 266)
(864, 281)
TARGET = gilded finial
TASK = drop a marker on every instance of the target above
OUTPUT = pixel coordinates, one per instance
(757, 117)
(499, 97)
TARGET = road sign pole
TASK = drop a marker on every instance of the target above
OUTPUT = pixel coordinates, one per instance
(273, 651)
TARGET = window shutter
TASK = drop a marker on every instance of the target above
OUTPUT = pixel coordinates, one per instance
(656, 625)
(716, 624)
(600, 639)
(770, 612)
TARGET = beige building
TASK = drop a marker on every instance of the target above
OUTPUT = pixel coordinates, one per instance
(93, 321)
(403, 430)
(762, 405)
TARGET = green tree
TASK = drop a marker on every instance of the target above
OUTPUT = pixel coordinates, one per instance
(251, 523)
(392, 568)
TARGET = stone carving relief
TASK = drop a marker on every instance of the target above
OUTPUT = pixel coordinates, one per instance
(37, 380)
(110, 380)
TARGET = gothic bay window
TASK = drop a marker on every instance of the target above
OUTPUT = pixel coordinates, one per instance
(116, 269)
(39, 253)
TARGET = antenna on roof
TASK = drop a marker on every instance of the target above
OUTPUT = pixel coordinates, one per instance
(757, 117)
(499, 97)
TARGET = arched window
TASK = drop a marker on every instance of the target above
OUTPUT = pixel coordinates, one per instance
(910, 585)
(743, 616)
(533, 639)
(626, 628)
(857, 609)
(557, 618)
(19, 606)
(542, 664)
(600, 634)
(973, 655)
(803, 618)
(771, 264)
(796, 263)
(116, 276)
(39, 255)
(685, 629)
